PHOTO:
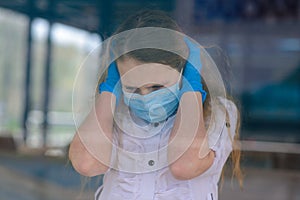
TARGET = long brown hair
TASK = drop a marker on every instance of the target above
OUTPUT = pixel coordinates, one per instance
(151, 18)
(154, 18)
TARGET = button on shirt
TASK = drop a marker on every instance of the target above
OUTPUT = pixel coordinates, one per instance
(139, 168)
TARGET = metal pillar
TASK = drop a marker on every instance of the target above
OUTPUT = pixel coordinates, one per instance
(27, 89)
(47, 76)
(47, 84)
(105, 9)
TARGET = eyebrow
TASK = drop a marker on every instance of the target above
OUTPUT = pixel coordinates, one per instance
(156, 84)
(129, 87)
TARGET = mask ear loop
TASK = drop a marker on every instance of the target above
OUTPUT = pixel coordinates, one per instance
(181, 73)
(180, 77)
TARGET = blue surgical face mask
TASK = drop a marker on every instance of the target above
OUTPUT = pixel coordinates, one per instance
(155, 106)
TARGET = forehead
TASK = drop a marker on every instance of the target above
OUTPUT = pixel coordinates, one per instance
(134, 73)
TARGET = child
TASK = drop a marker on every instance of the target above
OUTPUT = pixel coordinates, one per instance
(153, 141)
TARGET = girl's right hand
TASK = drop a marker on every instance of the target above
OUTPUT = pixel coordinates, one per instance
(112, 82)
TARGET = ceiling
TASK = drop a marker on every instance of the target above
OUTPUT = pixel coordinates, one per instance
(100, 16)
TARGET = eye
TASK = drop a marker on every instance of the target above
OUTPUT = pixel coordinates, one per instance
(130, 89)
(157, 87)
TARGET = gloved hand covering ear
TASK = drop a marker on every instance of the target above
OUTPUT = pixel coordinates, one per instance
(192, 79)
(112, 82)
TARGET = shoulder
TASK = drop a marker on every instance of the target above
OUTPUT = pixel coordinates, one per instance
(223, 120)
(222, 129)
(229, 105)
(232, 115)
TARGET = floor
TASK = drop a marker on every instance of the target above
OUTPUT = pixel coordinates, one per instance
(262, 184)
(36, 178)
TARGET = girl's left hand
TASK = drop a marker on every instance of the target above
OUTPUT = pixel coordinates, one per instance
(192, 78)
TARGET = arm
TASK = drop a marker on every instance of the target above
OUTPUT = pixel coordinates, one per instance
(94, 160)
(90, 150)
(188, 151)
(191, 134)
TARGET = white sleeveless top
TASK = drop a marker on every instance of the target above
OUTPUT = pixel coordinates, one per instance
(139, 166)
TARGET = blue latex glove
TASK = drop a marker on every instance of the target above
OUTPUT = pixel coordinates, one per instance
(112, 82)
(192, 78)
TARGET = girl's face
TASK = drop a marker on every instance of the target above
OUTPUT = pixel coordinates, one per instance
(143, 78)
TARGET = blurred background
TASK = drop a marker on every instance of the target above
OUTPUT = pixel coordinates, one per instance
(44, 42)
